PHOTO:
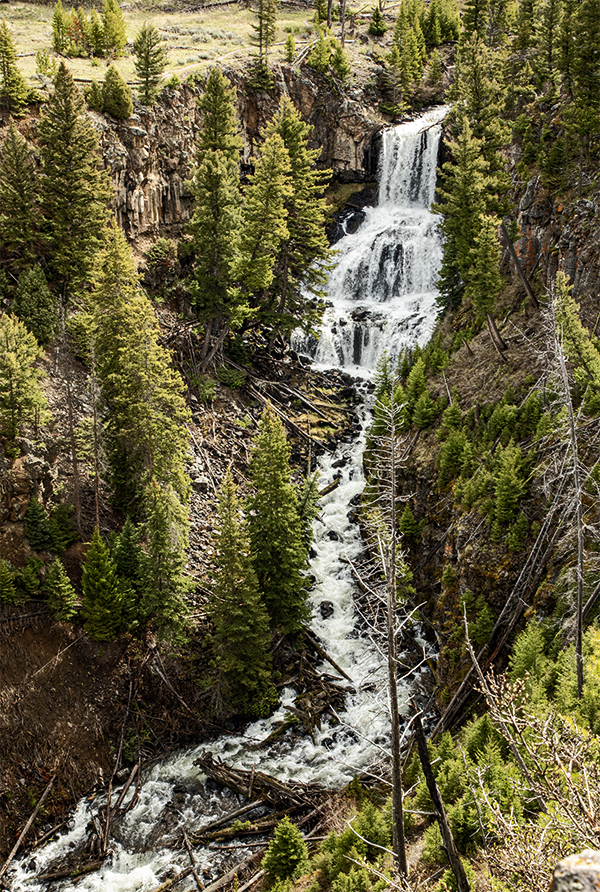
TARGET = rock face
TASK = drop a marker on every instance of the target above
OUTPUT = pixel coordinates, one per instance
(577, 873)
(150, 155)
(557, 237)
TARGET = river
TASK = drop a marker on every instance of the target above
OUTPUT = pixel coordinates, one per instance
(381, 295)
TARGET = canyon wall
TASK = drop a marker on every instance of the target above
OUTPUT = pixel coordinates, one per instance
(150, 155)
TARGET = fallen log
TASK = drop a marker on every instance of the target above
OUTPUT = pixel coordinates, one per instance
(273, 791)
(25, 829)
(308, 634)
(229, 817)
(71, 873)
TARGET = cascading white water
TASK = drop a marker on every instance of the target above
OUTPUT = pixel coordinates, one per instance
(382, 292)
(392, 260)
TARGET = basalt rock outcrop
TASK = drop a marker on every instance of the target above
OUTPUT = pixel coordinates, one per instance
(150, 155)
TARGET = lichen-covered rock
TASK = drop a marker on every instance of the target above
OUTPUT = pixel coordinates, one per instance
(577, 873)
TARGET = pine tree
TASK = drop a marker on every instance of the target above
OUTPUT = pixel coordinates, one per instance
(287, 855)
(435, 73)
(74, 188)
(60, 594)
(146, 430)
(164, 585)
(97, 43)
(60, 25)
(265, 216)
(408, 524)
(117, 99)
(13, 89)
(481, 96)
(340, 64)
(21, 397)
(279, 553)
(425, 410)
(546, 38)
(27, 580)
(290, 48)
(483, 281)
(566, 43)
(8, 592)
(377, 25)
(320, 54)
(579, 345)
(37, 527)
(150, 61)
(416, 384)
(586, 72)
(301, 265)
(19, 227)
(465, 192)
(241, 623)
(102, 595)
(115, 35)
(216, 223)
(35, 305)
(94, 97)
(475, 17)
(128, 554)
(265, 31)
(509, 485)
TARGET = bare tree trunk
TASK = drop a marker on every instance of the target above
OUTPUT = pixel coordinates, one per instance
(579, 515)
(447, 838)
(343, 22)
(72, 442)
(96, 475)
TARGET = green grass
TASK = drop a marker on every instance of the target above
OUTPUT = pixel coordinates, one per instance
(195, 40)
(222, 34)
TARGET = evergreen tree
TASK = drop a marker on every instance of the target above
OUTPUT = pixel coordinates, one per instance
(8, 591)
(465, 192)
(484, 281)
(13, 89)
(116, 95)
(579, 345)
(432, 30)
(146, 430)
(94, 96)
(27, 580)
(216, 223)
(102, 595)
(320, 54)
(546, 37)
(425, 410)
(408, 525)
(287, 855)
(265, 32)
(74, 188)
(37, 527)
(340, 64)
(475, 17)
(566, 43)
(416, 384)
(21, 397)
(290, 48)
(150, 61)
(96, 34)
(377, 25)
(508, 485)
(19, 228)
(241, 623)
(585, 116)
(435, 73)
(60, 594)
(301, 265)
(128, 555)
(279, 552)
(481, 97)
(164, 585)
(265, 216)
(60, 25)
(35, 305)
(113, 27)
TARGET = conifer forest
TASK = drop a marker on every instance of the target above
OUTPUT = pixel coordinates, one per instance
(299, 446)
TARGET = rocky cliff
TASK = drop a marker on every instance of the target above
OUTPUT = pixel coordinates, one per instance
(150, 154)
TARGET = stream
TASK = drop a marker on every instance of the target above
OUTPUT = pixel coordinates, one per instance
(381, 295)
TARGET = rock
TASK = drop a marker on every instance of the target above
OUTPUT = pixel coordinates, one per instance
(577, 873)
(201, 484)
(340, 463)
(335, 537)
(326, 608)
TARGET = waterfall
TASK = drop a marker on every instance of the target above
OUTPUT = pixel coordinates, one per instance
(382, 294)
